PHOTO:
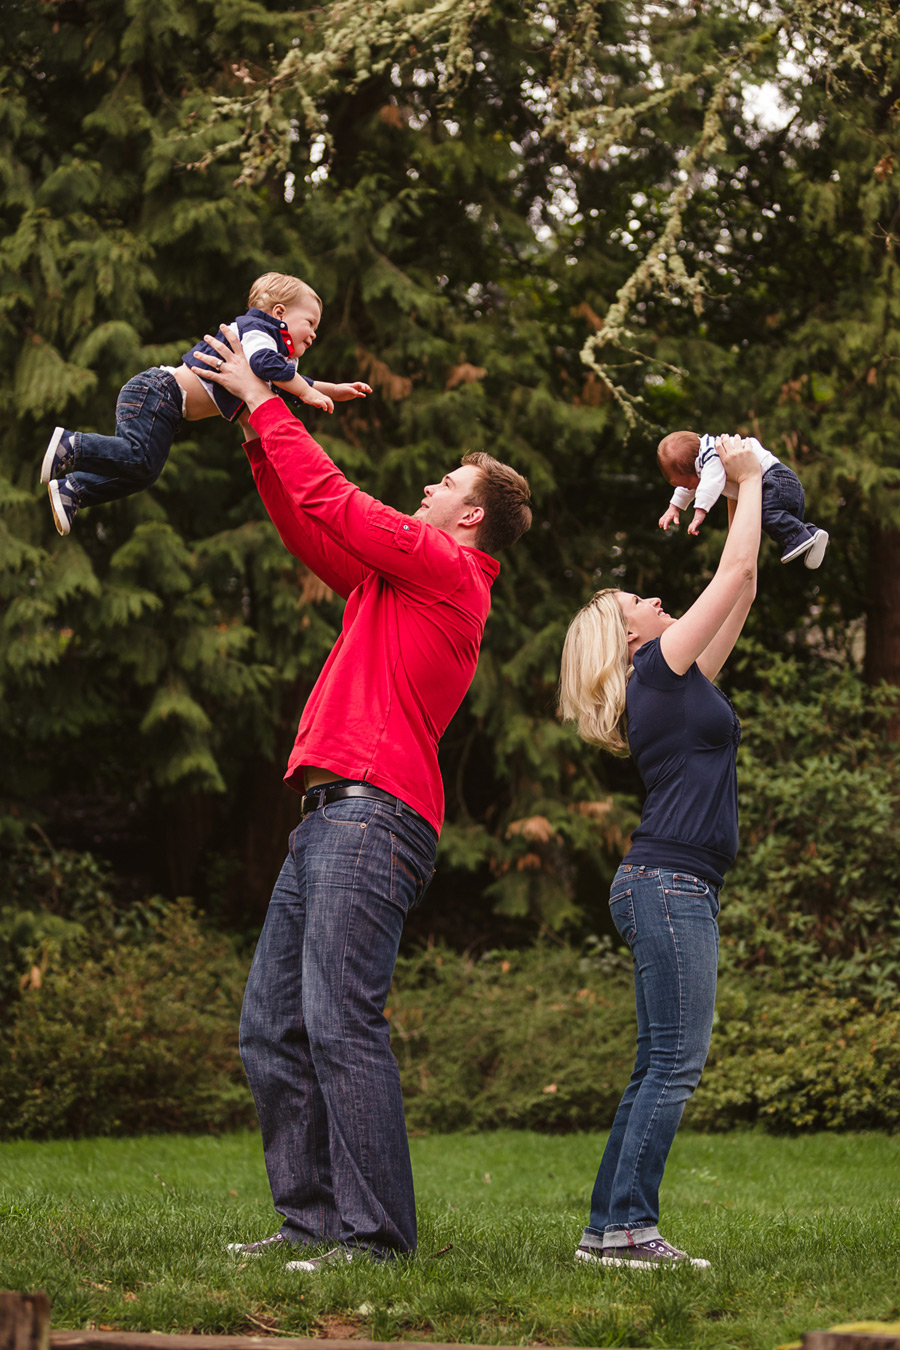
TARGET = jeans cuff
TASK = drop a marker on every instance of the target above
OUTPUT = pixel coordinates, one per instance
(628, 1237)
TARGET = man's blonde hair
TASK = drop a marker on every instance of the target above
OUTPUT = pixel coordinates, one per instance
(277, 288)
(594, 673)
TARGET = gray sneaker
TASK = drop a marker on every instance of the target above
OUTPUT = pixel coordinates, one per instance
(261, 1248)
(334, 1257)
(657, 1253)
(63, 504)
(59, 455)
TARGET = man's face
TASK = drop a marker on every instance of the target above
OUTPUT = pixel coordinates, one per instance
(444, 503)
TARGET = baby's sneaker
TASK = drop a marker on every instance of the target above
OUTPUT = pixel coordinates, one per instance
(59, 455)
(63, 504)
(816, 551)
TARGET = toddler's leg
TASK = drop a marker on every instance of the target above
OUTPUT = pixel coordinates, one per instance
(103, 468)
(783, 508)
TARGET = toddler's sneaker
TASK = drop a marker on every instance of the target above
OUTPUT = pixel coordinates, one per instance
(59, 455)
(799, 549)
(655, 1254)
(63, 504)
(816, 551)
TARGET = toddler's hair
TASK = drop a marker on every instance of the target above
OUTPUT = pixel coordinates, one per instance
(276, 288)
(678, 451)
(505, 496)
(594, 673)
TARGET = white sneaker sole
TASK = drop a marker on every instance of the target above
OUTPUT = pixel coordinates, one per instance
(60, 518)
(817, 552)
(50, 455)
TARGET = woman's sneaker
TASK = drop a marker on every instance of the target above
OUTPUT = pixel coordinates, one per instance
(657, 1253)
(63, 504)
(59, 455)
(260, 1248)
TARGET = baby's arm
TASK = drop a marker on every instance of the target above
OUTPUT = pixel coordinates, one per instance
(307, 393)
(342, 393)
(699, 517)
(671, 517)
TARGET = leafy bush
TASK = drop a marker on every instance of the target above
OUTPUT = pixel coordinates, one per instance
(793, 1063)
(142, 1038)
(811, 901)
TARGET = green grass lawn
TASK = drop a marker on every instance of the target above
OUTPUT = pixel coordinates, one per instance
(802, 1233)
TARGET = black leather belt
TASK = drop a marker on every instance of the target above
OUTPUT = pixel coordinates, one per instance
(325, 794)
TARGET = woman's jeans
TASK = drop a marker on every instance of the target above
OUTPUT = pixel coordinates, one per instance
(668, 920)
(314, 1039)
(148, 415)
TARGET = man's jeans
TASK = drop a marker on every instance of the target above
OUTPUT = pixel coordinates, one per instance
(783, 508)
(668, 920)
(314, 1039)
(148, 415)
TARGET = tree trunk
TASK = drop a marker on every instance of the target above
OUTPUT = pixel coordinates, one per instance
(882, 660)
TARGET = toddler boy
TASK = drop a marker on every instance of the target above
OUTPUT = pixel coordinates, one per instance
(691, 465)
(82, 468)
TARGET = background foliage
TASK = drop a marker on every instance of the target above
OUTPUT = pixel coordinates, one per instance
(552, 231)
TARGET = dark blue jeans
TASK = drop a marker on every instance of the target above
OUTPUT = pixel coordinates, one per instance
(148, 415)
(668, 920)
(783, 508)
(314, 1039)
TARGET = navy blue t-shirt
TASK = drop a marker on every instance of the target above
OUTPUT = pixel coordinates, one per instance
(683, 734)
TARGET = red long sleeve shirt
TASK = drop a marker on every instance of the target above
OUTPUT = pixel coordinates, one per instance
(417, 603)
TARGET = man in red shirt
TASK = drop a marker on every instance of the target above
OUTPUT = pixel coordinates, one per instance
(314, 1040)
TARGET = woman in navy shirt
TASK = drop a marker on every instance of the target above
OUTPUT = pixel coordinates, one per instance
(638, 681)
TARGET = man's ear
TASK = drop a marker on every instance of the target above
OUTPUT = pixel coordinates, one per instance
(472, 517)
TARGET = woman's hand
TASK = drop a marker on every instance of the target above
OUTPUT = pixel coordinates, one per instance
(232, 369)
(738, 460)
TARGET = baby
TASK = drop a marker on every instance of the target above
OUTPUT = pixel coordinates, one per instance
(82, 468)
(691, 465)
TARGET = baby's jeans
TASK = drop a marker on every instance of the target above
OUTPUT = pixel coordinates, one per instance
(148, 415)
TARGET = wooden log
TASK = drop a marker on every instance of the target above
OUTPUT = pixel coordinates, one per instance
(24, 1321)
(155, 1340)
(851, 1340)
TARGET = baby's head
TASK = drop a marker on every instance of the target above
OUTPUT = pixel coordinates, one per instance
(677, 454)
(289, 299)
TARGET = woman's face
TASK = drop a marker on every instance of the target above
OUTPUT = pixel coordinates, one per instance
(645, 618)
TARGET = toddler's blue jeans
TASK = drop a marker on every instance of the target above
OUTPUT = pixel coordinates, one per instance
(148, 415)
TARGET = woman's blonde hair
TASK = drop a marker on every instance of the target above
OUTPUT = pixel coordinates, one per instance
(594, 673)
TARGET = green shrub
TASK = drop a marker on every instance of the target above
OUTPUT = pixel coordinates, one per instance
(811, 900)
(143, 1038)
(794, 1062)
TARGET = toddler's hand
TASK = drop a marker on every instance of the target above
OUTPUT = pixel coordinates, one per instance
(316, 399)
(699, 517)
(670, 517)
(351, 389)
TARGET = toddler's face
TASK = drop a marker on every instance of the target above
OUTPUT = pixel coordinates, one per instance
(685, 480)
(302, 319)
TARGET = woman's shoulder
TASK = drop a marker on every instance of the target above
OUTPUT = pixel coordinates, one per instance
(651, 668)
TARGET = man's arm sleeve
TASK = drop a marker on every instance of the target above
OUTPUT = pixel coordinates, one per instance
(402, 548)
(302, 536)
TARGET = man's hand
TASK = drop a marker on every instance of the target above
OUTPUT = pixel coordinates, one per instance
(671, 517)
(699, 517)
(231, 369)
